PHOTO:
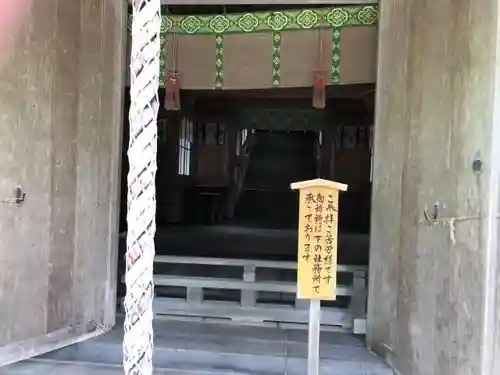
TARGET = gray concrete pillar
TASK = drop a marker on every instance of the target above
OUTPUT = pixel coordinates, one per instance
(431, 302)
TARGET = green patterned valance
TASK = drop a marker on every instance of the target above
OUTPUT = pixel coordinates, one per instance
(276, 22)
(304, 19)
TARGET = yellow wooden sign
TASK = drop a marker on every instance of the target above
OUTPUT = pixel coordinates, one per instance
(318, 230)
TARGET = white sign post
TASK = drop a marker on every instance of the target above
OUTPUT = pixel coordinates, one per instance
(317, 254)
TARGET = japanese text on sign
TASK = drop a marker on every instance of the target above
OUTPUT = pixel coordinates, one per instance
(317, 258)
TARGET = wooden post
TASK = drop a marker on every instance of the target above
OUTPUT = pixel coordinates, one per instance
(317, 253)
(248, 296)
(313, 337)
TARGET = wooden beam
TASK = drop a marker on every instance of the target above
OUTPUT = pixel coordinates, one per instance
(352, 92)
(266, 312)
(264, 2)
(236, 284)
(173, 259)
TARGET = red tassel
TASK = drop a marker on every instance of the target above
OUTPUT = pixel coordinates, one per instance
(319, 87)
(319, 91)
(173, 98)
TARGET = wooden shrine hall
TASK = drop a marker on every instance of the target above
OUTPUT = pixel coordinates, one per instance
(256, 98)
(397, 99)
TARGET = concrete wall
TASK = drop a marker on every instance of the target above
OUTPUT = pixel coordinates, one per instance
(437, 87)
(60, 137)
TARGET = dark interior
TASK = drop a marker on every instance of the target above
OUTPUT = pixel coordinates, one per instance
(226, 161)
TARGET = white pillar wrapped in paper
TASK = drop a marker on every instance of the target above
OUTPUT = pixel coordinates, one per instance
(144, 73)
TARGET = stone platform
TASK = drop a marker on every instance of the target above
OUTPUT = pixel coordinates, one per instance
(189, 348)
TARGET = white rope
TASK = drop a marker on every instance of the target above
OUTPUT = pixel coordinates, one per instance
(141, 198)
(451, 224)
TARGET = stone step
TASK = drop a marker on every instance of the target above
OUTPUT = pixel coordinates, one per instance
(239, 350)
(55, 367)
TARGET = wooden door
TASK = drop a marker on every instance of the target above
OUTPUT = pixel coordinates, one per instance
(60, 111)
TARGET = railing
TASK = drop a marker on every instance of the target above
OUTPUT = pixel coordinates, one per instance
(252, 292)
